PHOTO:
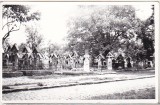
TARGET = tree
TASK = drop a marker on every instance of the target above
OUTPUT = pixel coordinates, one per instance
(145, 32)
(52, 48)
(14, 16)
(21, 46)
(102, 29)
(34, 39)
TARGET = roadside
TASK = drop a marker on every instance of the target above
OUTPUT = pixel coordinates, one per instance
(147, 93)
(82, 92)
(60, 80)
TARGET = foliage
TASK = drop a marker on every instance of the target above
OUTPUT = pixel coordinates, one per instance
(135, 51)
(34, 38)
(108, 28)
(13, 16)
(21, 46)
(51, 48)
(102, 29)
(146, 33)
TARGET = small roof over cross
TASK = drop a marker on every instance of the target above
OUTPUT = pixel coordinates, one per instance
(26, 50)
(54, 55)
(8, 48)
(109, 55)
(35, 50)
(14, 48)
(100, 56)
(74, 54)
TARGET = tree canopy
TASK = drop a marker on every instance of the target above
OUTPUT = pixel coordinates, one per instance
(34, 38)
(103, 29)
(13, 16)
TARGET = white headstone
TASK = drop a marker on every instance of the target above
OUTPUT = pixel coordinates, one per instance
(99, 64)
(86, 63)
(132, 63)
(109, 63)
(151, 63)
(125, 63)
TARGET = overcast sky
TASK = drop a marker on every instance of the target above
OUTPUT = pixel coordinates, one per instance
(54, 16)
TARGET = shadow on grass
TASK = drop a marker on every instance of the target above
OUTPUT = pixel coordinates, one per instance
(148, 93)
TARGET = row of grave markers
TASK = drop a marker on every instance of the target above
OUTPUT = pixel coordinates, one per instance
(14, 59)
(111, 62)
(84, 61)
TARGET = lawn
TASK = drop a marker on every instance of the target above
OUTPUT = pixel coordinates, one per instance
(148, 93)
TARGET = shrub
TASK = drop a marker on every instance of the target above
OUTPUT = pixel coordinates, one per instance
(36, 72)
(12, 74)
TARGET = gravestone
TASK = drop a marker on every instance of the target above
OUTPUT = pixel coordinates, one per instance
(121, 62)
(72, 63)
(54, 58)
(150, 64)
(14, 54)
(59, 63)
(100, 57)
(5, 60)
(50, 62)
(35, 55)
(16, 62)
(86, 62)
(125, 63)
(141, 64)
(128, 62)
(99, 64)
(113, 63)
(109, 61)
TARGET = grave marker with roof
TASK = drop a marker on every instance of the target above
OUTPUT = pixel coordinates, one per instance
(109, 60)
(14, 57)
(100, 57)
(86, 61)
(121, 62)
(35, 57)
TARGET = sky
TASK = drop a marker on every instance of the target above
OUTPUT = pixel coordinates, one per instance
(54, 16)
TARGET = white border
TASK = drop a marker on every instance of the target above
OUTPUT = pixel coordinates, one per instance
(157, 42)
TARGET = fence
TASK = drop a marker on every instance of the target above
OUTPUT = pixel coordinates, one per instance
(42, 66)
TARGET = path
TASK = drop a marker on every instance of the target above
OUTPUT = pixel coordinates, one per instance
(81, 92)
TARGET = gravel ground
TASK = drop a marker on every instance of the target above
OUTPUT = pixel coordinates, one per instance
(63, 78)
(81, 92)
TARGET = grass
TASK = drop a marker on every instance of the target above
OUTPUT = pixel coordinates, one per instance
(148, 93)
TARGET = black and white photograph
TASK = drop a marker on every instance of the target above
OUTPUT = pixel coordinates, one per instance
(85, 51)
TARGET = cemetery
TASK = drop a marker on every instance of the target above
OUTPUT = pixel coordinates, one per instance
(31, 62)
(90, 51)
(118, 48)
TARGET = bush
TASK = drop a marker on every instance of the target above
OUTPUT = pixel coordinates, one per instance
(40, 84)
(36, 72)
(12, 74)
